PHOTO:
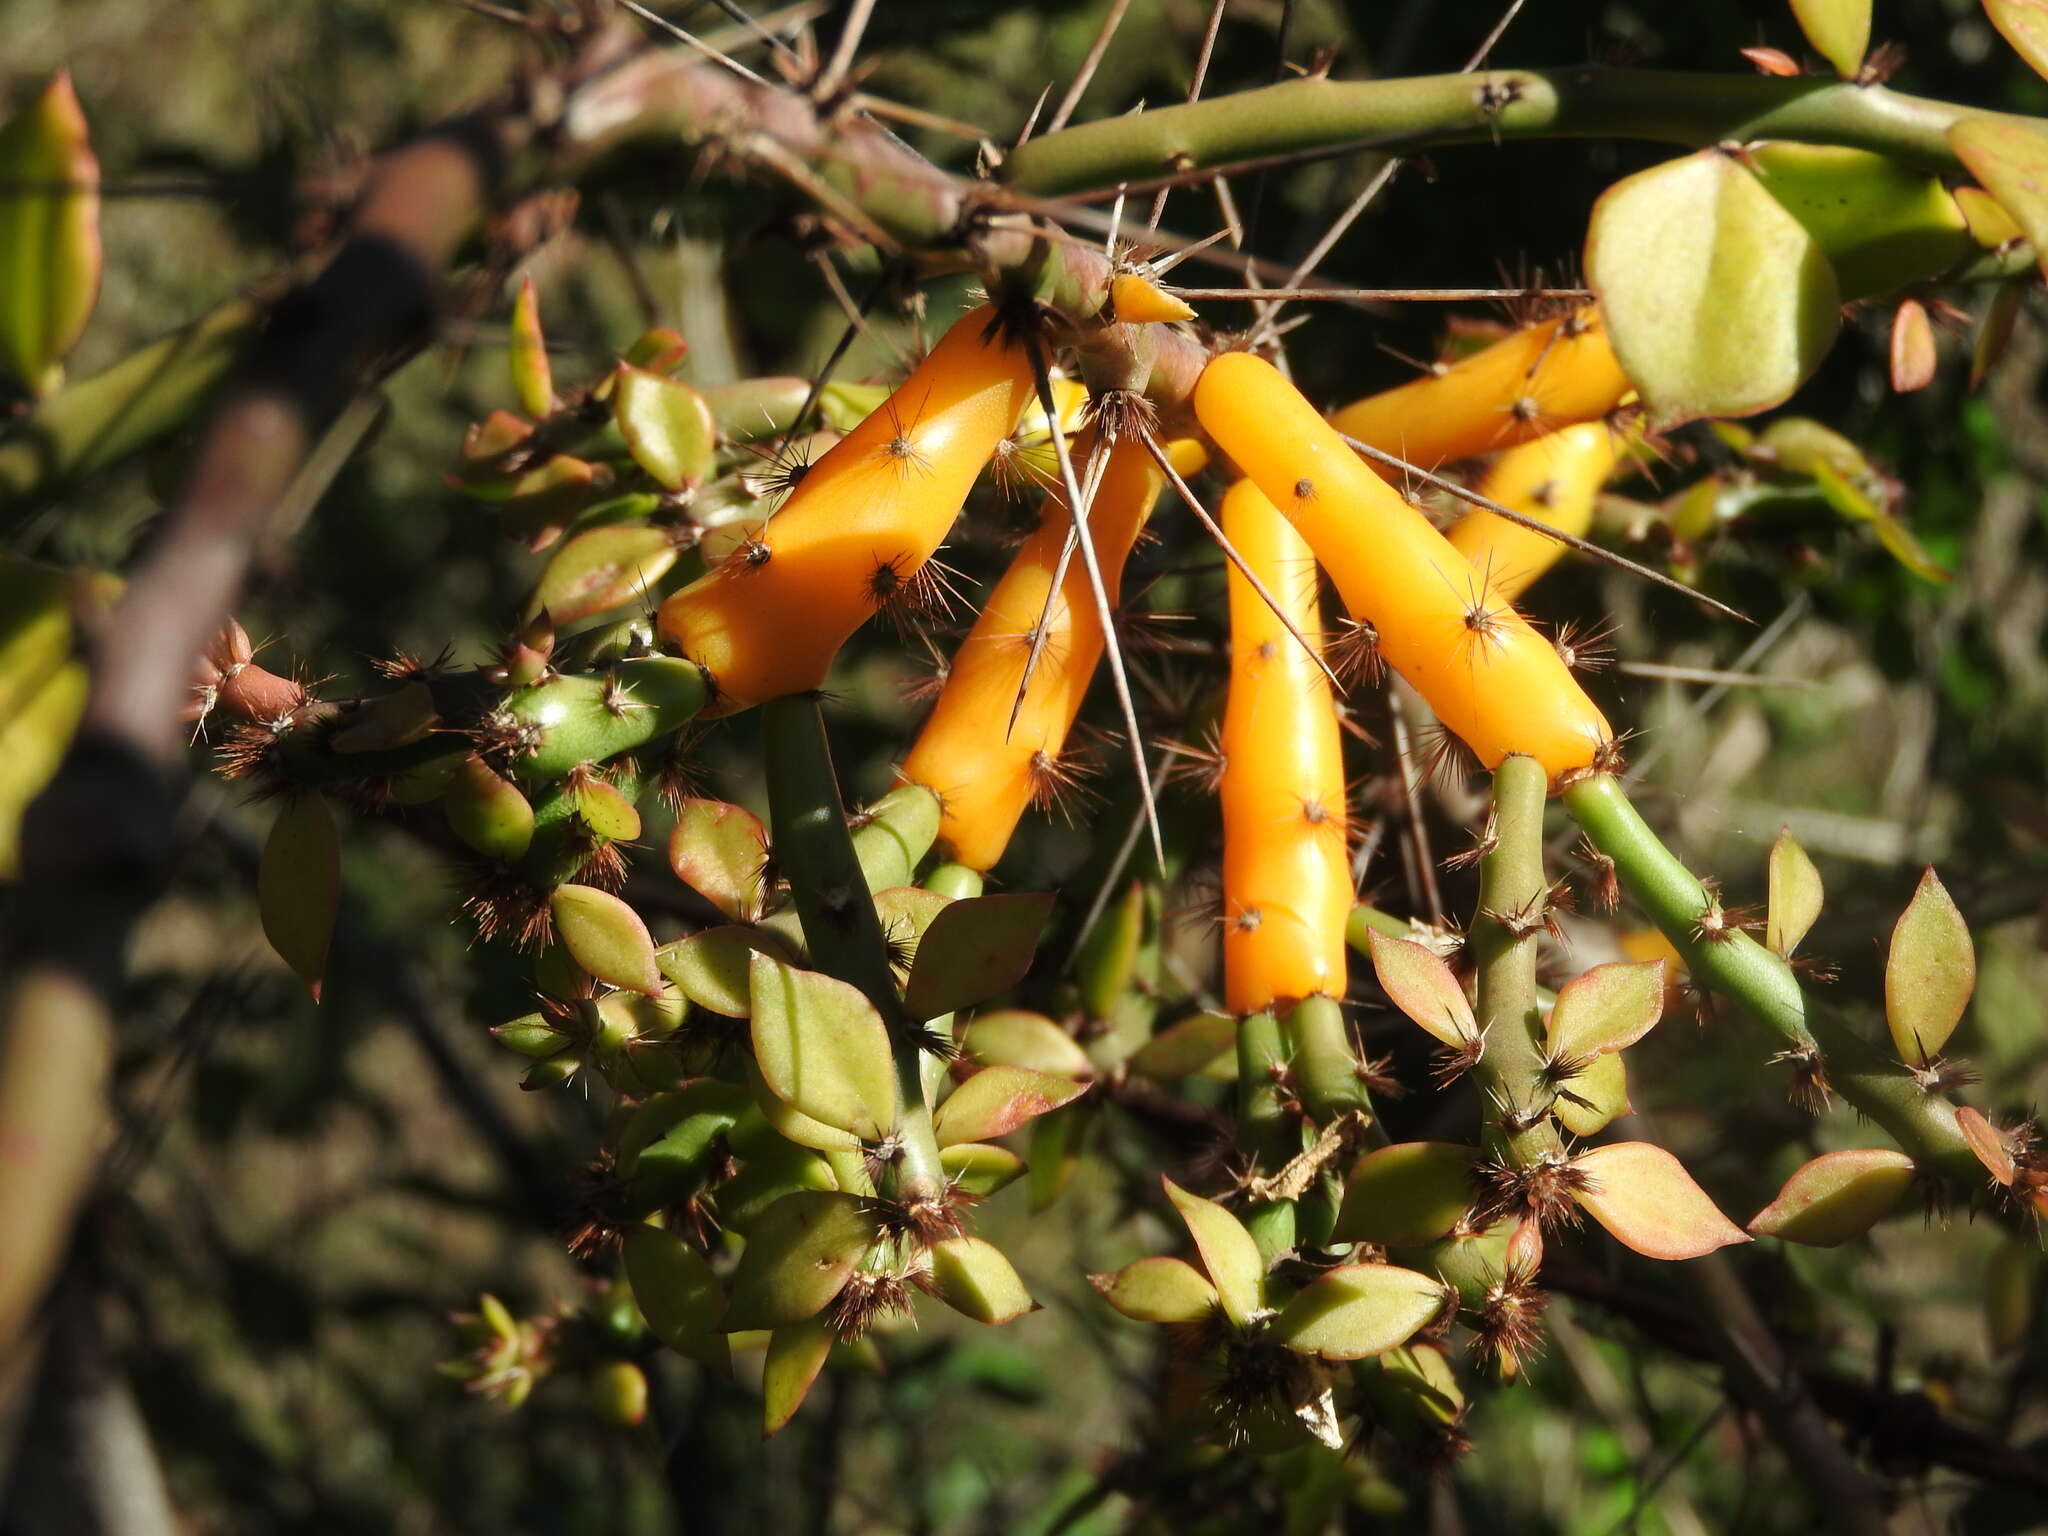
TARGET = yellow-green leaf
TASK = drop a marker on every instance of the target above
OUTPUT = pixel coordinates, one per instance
(298, 886)
(1838, 29)
(1796, 895)
(1929, 973)
(975, 1279)
(2012, 163)
(667, 426)
(1644, 1197)
(1836, 1197)
(532, 378)
(1158, 1290)
(1228, 1253)
(1359, 1310)
(1408, 1194)
(823, 1050)
(50, 236)
(606, 938)
(2024, 24)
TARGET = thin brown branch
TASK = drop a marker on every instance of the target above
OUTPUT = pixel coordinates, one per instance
(1089, 65)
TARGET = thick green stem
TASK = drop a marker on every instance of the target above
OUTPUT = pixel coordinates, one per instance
(1267, 1134)
(1763, 986)
(1327, 1070)
(841, 929)
(1512, 892)
(1664, 106)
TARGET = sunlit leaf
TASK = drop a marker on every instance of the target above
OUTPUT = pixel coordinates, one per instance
(996, 1100)
(974, 950)
(823, 1049)
(1838, 29)
(1607, 1008)
(798, 1257)
(720, 851)
(667, 426)
(1796, 894)
(1228, 1252)
(1359, 1310)
(50, 237)
(1158, 1290)
(1836, 1197)
(1929, 974)
(1644, 1197)
(1407, 1194)
(606, 937)
(975, 1279)
(2024, 24)
(1423, 988)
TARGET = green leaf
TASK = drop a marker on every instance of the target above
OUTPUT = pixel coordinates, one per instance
(1104, 966)
(533, 383)
(1644, 1197)
(1929, 974)
(1228, 1253)
(1718, 301)
(720, 851)
(1607, 1008)
(905, 912)
(1849, 499)
(1836, 1197)
(50, 238)
(677, 1294)
(1359, 1310)
(1183, 1049)
(823, 1050)
(996, 1100)
(1159, 1290)
(599, 570)
(977, 1168)
(1884, 225)
(667, 426)
(800, 1255)
(976, 1280)
(1796, 895)
(713, 968)
(1589, 1102)
(974, 950)
(892, 836)
(1406, 1195)
(606, 812)
(298, 886)
(1421, 986)
(1838, 29)
(606, 938)
(2024, 24)
(2012, 163)
(487, 811)
(796, 1353)
(1011, 1037)
(792, 1124)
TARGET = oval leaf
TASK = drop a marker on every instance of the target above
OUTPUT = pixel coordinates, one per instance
(1589, 1102)
(2024, 24)
(973, 950)
(712, 969)
(606, 938)
(667, 425)
(1010, 1037)
(533, 382)
(1644, 1197)
(50, 239)
(1186, 1048)
(1838, 29)
(298, 886)
(720, 851)
(606, 812)
(1929, 974)
(1717, 300)
(1359, 1310)
(1406, 1195)
(1228, 1253)
(1422, 987)
(974, 1279)
(2012, 163)
(996, 1100)
(1158, 1291)
(599, 570)
(796, 1353)
(1837, 1196)
(1912, 355)
(678, 1295)
(823, 1050)
(487, 810)
(792, 1124)
(1795, 895)
(798, 1258)
(892, 836)
(906, 911)
(977, 1168)
(1607, 1008)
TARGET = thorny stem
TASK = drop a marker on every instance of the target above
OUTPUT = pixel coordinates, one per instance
(1326, 1068)
(1267, 1135)
(1306, 116)
(844, 935)
(1763, 986)
(1512, 892)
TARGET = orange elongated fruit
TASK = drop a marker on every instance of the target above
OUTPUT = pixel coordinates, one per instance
(984, 777)
(1286, 867)
(854, 536)
(1555, 479)
(1489, 676)
(1535, 381)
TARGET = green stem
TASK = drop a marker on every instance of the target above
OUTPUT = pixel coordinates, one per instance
(1764, 987)
(1326, 1069)
(1266, 1134)
(1665, 106)
(1512, 892)
(844, 935)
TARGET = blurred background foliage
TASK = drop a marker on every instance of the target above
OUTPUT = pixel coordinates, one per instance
(303, 1195)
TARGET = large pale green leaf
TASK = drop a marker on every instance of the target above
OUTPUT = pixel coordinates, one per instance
(1408, 1194)
(298, 886)
(713, 968)
(606, 937)
(1929, 974)
(677, 1294)
(1359, 1310)
(720, 851)
(1883, 224)
(1607, 1008)
(1158, 1290)
(976, 1280)
(1010, 1037)
(1717, 300)
(1836, 1197)
(823, 1049)
(2025, 25)
(798, 1258)
(1228, 1253)
(1422, 987)
(996, 1100)
(973, 950)
(49, 236)
(1796, 894)
(1838, 29)
(667, 425)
